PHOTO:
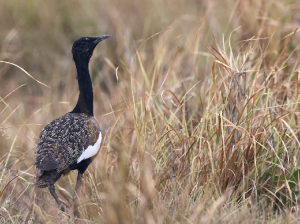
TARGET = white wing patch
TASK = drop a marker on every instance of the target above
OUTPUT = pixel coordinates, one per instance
(91, 150)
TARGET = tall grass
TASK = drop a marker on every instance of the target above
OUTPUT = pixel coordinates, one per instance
(198, 103)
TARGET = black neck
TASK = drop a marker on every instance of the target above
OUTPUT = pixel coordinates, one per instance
(85, 99)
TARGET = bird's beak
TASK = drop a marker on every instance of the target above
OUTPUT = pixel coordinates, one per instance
(99, 39)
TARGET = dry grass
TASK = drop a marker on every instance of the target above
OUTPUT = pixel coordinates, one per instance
(198, 101)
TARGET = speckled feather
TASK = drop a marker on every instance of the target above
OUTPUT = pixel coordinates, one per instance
(61, 143)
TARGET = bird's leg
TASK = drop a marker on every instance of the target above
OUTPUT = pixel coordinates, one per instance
(52, 191)
(76, 194)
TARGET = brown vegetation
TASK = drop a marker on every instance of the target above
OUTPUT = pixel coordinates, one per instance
(198, 102)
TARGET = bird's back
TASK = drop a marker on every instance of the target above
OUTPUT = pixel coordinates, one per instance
(61, 143)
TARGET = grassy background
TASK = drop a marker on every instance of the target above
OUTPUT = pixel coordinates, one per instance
(197, 100)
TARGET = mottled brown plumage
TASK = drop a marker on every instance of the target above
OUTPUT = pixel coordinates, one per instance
(71, 141)
(61, 143)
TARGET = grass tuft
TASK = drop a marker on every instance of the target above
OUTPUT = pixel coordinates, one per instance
(198, 103)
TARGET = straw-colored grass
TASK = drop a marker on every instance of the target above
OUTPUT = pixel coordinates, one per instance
(197, 100)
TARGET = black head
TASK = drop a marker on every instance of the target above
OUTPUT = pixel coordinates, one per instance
(83, 47)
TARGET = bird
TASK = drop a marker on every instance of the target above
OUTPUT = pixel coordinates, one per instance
(72, 141)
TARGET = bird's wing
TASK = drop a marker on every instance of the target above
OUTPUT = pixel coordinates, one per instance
(48, 163)
(91, 149)
(67, 140)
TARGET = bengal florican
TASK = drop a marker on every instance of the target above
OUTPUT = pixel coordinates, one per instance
(71, 141)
